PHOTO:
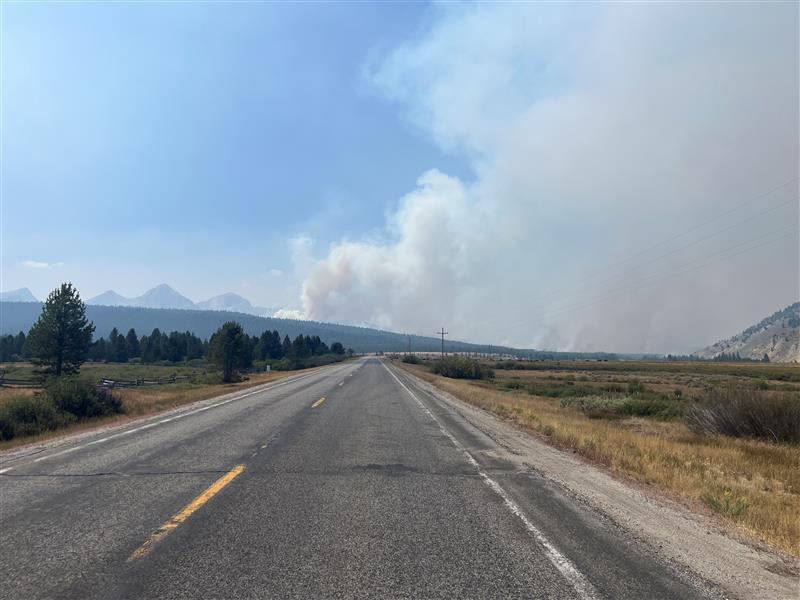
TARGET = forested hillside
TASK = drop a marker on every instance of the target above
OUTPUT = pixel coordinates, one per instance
(19, 316)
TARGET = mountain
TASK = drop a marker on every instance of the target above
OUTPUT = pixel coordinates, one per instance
(777, 336)
(230, 302)
(161, 296)
(20, 295)
(110, 298)
(19, 316)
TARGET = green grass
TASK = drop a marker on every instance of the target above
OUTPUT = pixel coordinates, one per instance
(768, 371)
(93, 372)
(616, 406)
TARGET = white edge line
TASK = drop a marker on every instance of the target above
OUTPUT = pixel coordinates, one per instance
(166, 420)
(561, 562)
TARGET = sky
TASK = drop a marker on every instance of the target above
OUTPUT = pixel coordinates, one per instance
(617, 177)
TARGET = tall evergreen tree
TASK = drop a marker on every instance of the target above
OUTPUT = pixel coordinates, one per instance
(132, 344)
(230, 350)
(61, 337)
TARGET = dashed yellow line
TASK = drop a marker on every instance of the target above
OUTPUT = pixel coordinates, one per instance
(185, 513)
(318, 402)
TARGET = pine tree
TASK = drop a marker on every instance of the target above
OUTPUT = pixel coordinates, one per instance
(61, 337)
(132, 344)
(229, 349)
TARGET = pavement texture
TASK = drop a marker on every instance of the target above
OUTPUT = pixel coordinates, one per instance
(377, 491)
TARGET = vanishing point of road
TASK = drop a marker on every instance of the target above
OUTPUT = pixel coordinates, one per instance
(351, 481)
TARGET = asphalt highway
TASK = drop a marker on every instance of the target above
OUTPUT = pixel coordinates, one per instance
(347, 482)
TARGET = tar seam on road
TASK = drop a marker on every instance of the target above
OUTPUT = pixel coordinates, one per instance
(582, 585)
(318, 402)
(185, 513)
(167, 420)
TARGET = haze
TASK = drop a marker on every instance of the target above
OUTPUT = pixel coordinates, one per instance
(618, 177)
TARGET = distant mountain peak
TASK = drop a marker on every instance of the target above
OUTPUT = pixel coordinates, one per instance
(228, 302)
(20, 295)
(109, 298)
(162, 296)
(165, 296)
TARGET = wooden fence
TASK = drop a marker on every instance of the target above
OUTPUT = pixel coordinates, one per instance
(123, 383)
(13, 382)
(106, 383)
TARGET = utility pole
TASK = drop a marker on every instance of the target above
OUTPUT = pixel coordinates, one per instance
(442, 333)
(409, 344)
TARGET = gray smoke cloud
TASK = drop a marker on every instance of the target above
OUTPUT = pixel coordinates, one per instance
(593, 133)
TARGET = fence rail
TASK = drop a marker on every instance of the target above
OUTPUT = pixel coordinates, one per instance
(10, 382)
(112, 383)
(106, 383)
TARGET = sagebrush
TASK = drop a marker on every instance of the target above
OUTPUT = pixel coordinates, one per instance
(737, 411)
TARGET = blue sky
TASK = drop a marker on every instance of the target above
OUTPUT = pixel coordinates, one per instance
(189, 142)
(539, 175)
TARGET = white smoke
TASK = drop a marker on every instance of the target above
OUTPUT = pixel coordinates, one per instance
(593, 132)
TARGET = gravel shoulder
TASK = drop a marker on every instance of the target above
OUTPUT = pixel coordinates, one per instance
(683, 538)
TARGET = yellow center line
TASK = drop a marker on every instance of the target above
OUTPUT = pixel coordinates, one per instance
(185, 513)
(318, 402)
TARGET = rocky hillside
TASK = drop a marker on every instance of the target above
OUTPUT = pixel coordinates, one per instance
(777, 336)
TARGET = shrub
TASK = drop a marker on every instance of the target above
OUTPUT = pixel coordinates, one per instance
(662, 410)
(460, 367)
(741, 412)
(616, 406)
(726, 504)
(27, 415)
(411, 359)
(292, 364)
(81, 399)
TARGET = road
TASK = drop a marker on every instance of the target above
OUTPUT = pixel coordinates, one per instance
(348, 482)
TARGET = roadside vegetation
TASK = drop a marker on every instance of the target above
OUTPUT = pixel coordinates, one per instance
(129, 375)
(459, 367)
(726, 437)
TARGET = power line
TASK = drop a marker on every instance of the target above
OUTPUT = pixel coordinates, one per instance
(712, 219)
(656, 278)
(672, 238)
(668, 253)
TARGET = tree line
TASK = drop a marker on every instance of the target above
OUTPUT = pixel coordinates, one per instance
(179, 346)
(62, 339)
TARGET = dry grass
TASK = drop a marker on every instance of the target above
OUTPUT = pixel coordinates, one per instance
(7, 392)
(147, 400)
(753, 484)
(142, 401)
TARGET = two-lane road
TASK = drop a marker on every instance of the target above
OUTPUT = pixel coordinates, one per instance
(351, 481)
